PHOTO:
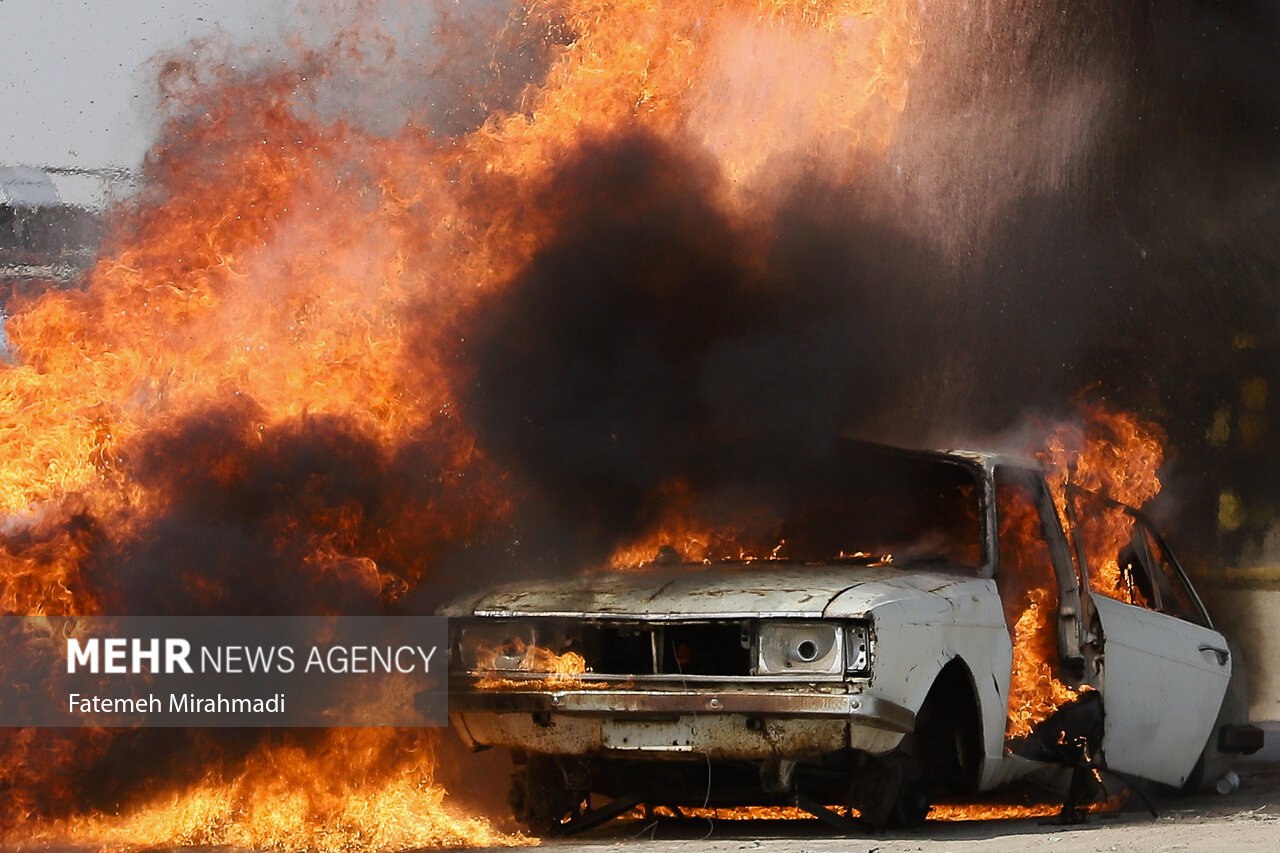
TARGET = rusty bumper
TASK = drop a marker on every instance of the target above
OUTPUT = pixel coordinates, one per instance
(726, 723)
(863, 709)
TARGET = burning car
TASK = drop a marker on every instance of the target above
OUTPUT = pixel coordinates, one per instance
(893, 628)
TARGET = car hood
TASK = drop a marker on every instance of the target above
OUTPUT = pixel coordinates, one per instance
(695, 591)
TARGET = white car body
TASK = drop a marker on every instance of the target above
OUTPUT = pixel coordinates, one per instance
(1162, 680)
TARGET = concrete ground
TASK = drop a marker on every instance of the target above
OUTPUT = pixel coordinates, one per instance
(1248, 819)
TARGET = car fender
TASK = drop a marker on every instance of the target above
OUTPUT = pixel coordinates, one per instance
(919, 629)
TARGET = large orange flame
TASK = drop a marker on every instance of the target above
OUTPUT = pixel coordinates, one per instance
(280, 802)
(1117, 455)
(268, 265)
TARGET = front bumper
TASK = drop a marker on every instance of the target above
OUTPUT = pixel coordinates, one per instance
(744, 723)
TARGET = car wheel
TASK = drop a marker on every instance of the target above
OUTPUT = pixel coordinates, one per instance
(540, 798)
(948, 737)
(911, 808)
(948, 755)
(900, 797)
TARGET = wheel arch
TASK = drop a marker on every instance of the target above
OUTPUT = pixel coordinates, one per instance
(949, 737)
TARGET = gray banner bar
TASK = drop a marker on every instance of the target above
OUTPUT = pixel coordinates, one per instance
(217, 671)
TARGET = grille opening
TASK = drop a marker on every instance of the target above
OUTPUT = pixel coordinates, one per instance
(705, 650)
(624, 650)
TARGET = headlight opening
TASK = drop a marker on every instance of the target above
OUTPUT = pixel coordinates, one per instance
(812, 648)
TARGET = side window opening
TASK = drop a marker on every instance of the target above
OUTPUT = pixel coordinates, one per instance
(1176, 598)
(1135, 576)
(1114, 552)
(1127, 561)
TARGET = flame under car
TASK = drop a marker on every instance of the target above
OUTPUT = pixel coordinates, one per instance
(923, 626)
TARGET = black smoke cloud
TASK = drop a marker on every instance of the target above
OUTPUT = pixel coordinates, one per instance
(655, 338)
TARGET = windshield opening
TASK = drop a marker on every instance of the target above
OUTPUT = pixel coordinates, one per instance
(858, 504)
(877, 506)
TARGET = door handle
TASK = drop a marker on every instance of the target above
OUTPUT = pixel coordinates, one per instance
(1222, 654)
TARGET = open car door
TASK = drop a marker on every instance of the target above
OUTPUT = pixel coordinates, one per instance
(1164, 668)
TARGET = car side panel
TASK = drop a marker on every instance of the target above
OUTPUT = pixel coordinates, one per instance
(919, 631)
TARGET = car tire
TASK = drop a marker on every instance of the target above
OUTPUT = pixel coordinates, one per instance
(911, 807)
(899, 797)
(540, 798)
